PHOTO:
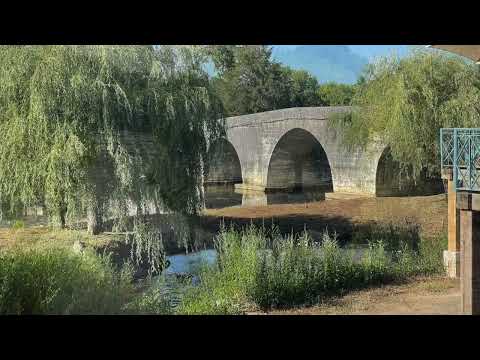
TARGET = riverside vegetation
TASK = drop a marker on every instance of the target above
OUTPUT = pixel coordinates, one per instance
(64, 115)
(255, 269)
(261, 271)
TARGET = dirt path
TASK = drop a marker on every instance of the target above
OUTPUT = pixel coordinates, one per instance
(422, 297)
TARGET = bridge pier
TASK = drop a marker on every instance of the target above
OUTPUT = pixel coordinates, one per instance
(249, 187)
(468, 204)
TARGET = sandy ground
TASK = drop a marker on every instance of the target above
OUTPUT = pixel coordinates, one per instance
(420, 297)
(342, 215)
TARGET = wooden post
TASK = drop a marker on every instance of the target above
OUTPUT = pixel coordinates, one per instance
(453, 220)
(469, 206)
(451, 256)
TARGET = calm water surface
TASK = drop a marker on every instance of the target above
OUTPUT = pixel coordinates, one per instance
(221, 196)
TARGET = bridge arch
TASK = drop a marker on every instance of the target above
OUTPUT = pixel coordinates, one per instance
(298, 162)
(223, 164)
(387, 178)
(391, 181)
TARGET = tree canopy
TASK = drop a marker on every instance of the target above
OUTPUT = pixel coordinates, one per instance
(404, 102)
(303, 88)
(333, 94)
(248, 80)
(65, 112)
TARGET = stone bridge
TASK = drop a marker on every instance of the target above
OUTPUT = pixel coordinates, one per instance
(295, 148)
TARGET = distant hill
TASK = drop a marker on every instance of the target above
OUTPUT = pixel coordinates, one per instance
(339, 63)
(327, 62)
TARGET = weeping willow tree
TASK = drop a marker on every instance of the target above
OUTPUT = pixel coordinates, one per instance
(84, 129)
(404, 103)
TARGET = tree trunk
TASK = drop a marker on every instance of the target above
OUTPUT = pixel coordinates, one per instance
(62, 214)
(62, 218)
(94, 218)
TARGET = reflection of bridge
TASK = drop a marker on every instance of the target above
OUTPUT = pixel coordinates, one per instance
(295, 148)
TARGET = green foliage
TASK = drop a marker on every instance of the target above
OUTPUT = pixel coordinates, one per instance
(249, 80)
(57, 281)
(18, 224)
(304, 87)
(333, 94)
(223, 56)
(224, 286)
(64, 111)
(151, 302)
(254, 269)
(300, 272)
(295, 270)
(404, 102)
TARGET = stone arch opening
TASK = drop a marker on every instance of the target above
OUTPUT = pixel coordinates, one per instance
(224, 170)
(299, 163)
(391, 181)
(224, 164)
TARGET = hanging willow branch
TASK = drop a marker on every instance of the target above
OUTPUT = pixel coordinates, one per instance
(404, 103)
(84, 129)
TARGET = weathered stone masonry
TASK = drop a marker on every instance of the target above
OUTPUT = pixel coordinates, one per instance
(257, 140)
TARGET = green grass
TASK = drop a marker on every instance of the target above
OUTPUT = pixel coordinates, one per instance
(224, 286)
(256, 270)
(18, 224)
(58, 281)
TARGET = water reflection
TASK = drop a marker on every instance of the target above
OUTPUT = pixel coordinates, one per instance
(221, 196)
(182, 274)
(182, 264)
(190, 263)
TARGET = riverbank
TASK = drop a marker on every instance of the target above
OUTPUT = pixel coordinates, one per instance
(276, 286)
(421, 296)
(343, 216)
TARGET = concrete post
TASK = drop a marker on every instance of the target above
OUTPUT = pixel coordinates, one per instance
(469, 206)
(451, 256)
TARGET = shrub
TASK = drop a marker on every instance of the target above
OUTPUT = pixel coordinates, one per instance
(18, 224)
(223, 286)
(58, 281)
(151, 302)
(300, 272)
(296, 271)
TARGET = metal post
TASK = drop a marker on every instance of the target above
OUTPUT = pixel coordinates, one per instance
(441, 148)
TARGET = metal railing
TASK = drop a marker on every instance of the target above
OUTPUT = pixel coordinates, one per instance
(460, 151)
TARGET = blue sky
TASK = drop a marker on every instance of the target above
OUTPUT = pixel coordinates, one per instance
(337, 63)
(333, 63)
(368, 51)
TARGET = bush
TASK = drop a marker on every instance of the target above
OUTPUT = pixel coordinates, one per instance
(152, 302)
(296, 271)
(223, 286)
(300, 272)
(18, 224)
(58, 281)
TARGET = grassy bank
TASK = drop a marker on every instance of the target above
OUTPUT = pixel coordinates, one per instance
(44, 237)
(60, 282)
(256, 270)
